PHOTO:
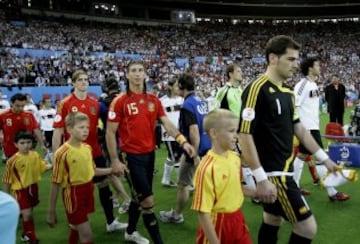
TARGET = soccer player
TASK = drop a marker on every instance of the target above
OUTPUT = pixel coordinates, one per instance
(171, 103)
(73, 172)
(22, 174)
(132, 116)
(267, 126)
(47, 114)
(218, 194)
(16, 119)
(192, 114)
(9, 215)
(307, 101)
(80, 101)
(229, 97)
(111, 90)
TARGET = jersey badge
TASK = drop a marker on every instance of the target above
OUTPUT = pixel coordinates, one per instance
(57, 118)
(111, 115)
(26, 121)
(248, 114)
(151, 107)
(74, 109)
(92, 110)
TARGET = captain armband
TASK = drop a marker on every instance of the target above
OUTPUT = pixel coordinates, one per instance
(321, 155)
(180, 138)
(259, 174)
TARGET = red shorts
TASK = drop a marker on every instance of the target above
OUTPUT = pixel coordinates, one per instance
(230, 229)
(79, 202)
(28, 197)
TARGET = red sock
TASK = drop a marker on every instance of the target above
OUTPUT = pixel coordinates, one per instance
(29, 229)
(73, 237)
(313, 172)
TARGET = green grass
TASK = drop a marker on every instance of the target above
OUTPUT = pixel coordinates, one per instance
(337, 222)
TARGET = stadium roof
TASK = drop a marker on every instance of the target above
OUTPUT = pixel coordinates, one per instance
(255, 8)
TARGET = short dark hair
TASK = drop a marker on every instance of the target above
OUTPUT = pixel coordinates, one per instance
(186, 81)
(110, 84)
(230, 69)
(18, 97)
(307, 63)
(23, 135)
(279, 44)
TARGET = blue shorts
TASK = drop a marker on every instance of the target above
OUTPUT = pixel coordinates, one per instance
(140, 175)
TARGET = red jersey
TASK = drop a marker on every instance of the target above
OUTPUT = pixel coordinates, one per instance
(10, 123)
(90, 107)
(137, 115)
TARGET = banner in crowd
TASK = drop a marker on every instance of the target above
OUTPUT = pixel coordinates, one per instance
(52, 92)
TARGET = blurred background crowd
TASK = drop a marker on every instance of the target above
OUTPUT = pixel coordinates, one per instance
(204, 49)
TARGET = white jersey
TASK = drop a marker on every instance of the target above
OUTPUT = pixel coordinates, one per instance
(34, 110)
(47, 119)
(171, 107)
(4, 105)
(307, 100)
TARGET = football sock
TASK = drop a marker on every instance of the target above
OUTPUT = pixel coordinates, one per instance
(29, 229)
(168, 166)
(152, 227)
(298, 167)
(106, 203)
(134, 215)
(73, 236)
(296, 239)
(313, 173)
(268, 234)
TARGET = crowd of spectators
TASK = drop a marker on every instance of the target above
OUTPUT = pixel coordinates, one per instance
(337, 44)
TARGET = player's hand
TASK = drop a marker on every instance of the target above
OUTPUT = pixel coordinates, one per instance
(331, 166)
(266, 191)
(196, 161)
(51, 219)
(189, 149)
(118, 167)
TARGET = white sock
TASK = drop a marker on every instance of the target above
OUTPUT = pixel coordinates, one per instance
(322, 170)
(167, 172)
(298, 167)
(248, 177)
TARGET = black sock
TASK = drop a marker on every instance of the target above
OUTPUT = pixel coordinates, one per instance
(106, 203)
(268, 234)
(296, 239)
(134, 215)
(152, 226)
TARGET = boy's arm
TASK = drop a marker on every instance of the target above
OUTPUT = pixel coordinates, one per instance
(51, 217)
(249, 192)
(208, 228)
(103, 171)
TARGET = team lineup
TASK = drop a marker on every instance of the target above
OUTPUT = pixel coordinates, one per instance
(222, 151)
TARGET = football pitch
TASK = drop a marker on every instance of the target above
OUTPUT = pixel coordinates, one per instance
(337, 221)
